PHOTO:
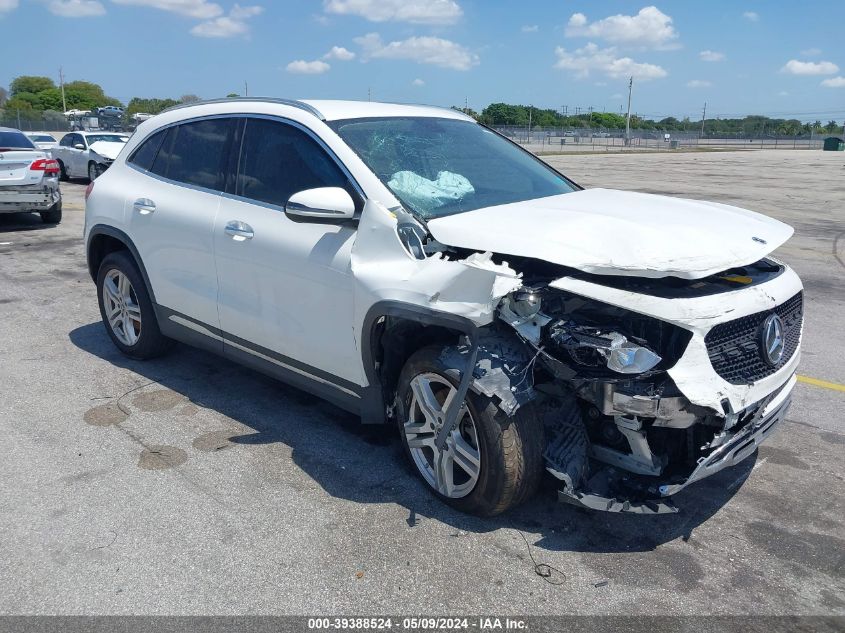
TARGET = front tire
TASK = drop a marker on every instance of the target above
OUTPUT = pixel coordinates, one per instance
(490, 462)
(126, 308)
(53, 215)
(94, 171)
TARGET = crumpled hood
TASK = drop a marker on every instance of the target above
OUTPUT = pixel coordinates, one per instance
(609, 232)
(107, 149)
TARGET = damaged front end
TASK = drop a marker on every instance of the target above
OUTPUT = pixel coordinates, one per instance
(621, 435)
(644, 385)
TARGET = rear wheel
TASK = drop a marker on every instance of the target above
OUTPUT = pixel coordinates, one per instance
(53, 215)
(126, 308)
(62, 171)
(489, 463)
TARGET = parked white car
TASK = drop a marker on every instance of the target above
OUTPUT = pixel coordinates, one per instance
(29, 178)
(87, 154)
(417, 268)
(41, 140)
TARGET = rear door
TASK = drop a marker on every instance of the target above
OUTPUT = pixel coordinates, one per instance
(173, 194)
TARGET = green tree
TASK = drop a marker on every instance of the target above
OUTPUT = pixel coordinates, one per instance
(232, 94)
(831, 126)
(15, 103)
(84, 95)
(4, 94)
(189, 99)
(31, 84)
(149, 106)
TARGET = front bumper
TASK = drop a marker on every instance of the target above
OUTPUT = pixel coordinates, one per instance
(19, 200)
(761, 419)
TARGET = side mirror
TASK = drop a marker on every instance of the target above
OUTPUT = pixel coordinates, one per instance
(78, 146)
(323, 203)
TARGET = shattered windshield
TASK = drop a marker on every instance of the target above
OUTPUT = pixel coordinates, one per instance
(439, 167)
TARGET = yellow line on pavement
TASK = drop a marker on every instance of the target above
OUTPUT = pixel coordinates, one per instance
(824, 384)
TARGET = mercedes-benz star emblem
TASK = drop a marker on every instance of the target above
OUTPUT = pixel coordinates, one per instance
(771, 339)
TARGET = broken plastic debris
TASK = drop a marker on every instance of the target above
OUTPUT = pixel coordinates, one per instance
(629, 358)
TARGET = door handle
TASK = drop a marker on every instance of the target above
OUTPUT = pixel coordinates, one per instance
(239, 231)
(144, 206)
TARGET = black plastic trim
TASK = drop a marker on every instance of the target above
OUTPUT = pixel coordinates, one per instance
(105, 229)
(373, 407)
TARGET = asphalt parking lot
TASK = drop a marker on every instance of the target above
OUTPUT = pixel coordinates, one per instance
(190, 485)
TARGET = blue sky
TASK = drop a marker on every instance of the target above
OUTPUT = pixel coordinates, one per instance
(740, 56)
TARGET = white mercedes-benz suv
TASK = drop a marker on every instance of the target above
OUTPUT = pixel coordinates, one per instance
(415, 267)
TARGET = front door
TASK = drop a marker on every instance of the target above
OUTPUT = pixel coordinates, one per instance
(285, 286)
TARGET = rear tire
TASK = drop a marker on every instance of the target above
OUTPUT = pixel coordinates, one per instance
(126, 308)
(62, 172)
(509, 449)
(53, 215)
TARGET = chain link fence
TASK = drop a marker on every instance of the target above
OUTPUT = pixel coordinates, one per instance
(29, 121)
(592, 139)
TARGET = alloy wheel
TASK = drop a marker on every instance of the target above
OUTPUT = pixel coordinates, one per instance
(122, 310)
(453, 471)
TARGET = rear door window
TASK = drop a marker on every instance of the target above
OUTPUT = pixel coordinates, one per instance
(195, 153)
(144, 156)
(277, 160)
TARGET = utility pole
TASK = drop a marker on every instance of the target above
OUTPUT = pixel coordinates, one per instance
(590, 124)
(246, 89)
(703, 116)
(628, 117)
(62, 85)
(466, 105)
(529, 123)
(369, 94)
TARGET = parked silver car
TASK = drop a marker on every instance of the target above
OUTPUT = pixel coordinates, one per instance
(42, 140)
(29, 178)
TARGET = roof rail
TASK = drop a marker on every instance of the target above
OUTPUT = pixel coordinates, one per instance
(288, 102)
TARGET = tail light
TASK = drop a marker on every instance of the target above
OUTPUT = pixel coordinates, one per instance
(89, 189)
(47, 165)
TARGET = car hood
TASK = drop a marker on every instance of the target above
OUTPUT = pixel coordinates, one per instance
(107, 149)
(608, 232)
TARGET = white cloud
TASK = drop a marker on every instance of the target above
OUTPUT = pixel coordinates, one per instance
(834, 82)
(414, 11)
(591, 58)
(751, 16)
(811, 52)
(698, 83)
(711, 56)
(422, 50)
(339, 53)
(795, 67)
(417, 82)
(302, 67)
(783, 93)
(530, 28)
(200, 9)
(232, 25)
(649, 28)
(8, 5)
(76, 8)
